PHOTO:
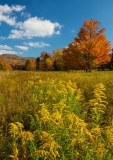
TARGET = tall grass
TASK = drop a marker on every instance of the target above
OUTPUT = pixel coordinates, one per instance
(58, 113)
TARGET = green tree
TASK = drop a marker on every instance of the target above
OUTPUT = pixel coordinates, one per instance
(111, 61)
(37, 63)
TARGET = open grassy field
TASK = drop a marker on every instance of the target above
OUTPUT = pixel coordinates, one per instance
(56, 115)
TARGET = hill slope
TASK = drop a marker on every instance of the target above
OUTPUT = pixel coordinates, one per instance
(17, 62)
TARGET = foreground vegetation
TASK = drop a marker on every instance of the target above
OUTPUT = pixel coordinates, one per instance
(56, 115)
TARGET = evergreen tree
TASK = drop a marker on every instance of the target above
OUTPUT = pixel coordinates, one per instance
(37, 63)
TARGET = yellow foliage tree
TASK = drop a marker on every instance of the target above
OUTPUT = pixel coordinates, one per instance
(30, 65)
(58, 57)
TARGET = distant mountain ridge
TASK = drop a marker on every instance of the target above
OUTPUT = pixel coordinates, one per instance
(12, 57)
(14, 60)
(15, 56)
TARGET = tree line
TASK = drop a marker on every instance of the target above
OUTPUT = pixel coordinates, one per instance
(89, 50)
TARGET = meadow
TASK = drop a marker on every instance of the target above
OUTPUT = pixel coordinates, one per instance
(56, 115)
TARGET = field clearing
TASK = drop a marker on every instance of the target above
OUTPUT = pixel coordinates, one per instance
(56, 115)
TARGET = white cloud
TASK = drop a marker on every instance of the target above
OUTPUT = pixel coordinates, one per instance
(35, 27)
(23, 48)
(25, 14)
(5, 9)
(57, 32)
(9, 52)
(5, 47)
(8, 19)
(17, 8)
(32, 27)
(5, 13)
(16, 34)
(56, 24)
(37, 44)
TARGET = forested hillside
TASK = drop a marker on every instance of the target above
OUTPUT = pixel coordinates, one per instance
(16, 62)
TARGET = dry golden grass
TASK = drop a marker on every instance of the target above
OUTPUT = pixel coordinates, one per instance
(66, 114)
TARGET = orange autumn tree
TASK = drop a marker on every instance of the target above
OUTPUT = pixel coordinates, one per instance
(73, 60)
(5, 66)
(91, 48)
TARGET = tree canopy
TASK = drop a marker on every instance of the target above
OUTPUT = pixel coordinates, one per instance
(30, 65)
(58, 59)
(90, 49)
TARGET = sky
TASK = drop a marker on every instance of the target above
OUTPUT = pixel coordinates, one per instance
(29, 27)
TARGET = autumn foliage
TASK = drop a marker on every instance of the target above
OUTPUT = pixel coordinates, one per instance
(46, 61)
(30, 65)
(58, 59)
(90, 49)
(72, 58)
(4, 65)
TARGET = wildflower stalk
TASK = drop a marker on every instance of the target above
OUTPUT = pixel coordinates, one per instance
(98, 104)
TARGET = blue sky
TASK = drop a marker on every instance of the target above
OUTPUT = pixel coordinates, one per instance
(28, 28)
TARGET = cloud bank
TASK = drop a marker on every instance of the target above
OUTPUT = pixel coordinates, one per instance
(9, 52)
(5, 47)
(37, 44)
(32, 27)
(29, 28)
(22, 48)
(35, 27)
(5, 13)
